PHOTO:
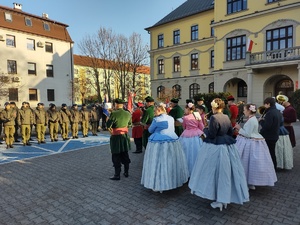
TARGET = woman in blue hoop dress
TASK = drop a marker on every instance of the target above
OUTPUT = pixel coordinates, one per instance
(165, 165)
(218, 173)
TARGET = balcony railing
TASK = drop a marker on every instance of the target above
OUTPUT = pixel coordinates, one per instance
(286, 54)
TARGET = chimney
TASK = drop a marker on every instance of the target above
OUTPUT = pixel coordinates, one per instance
(17, 6)
(45, 15)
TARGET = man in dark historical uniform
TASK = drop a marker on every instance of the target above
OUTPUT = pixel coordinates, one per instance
(118, 124)
(289, 117)
(270, 125)
(177, 113)
(137, 127)
(147, 118)
(200, 101)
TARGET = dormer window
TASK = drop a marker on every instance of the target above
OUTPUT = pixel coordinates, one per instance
(46, 27)
(8, 17)
(28, 22)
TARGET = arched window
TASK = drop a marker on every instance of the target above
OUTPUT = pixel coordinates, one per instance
(176, 91)
(193, 90)
(211, 87)
(160, 91)
(242, 89)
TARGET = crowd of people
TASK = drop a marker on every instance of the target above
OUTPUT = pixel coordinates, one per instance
(63, 120)
(221, 157)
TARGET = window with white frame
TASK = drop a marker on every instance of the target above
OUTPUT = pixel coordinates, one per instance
(31, 68)
(176, 63)
(10, 41)
(11, 67)
(194, 32)
(8, 17)
(33, 94)
(30, 44)
(161, 66)
(194, 61)
(28, 22)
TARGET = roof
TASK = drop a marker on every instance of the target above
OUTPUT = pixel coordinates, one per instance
(57, 30)
(80, 60)
(188, 8)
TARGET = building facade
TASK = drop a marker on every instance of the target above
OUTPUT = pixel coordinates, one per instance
(36, 58)
(84, 85)
(248, 48)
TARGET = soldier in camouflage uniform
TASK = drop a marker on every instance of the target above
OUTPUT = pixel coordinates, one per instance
(25, 121)
(65, 115)
(8, 117)
(41, 122)
(54, 119)
(85, 119)
(75, 120)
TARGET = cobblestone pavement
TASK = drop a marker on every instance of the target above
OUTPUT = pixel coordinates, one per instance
(73, 188)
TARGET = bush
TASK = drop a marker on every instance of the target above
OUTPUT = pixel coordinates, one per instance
(296, 102)
(208, 97)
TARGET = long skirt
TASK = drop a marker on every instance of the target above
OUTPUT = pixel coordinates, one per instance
(284, 152)
(257, 161)
(191, 146)
(219, 175)
(164, 166)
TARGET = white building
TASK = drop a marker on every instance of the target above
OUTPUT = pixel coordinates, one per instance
(36, 63)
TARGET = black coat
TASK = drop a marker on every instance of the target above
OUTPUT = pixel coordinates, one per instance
(270, 124)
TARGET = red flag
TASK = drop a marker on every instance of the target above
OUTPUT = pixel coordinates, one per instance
(130, 103)
(249, 45)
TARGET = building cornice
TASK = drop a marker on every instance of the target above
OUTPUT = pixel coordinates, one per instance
(256, 13)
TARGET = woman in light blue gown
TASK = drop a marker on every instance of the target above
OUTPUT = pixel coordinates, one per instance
(218, 173)
(165, 165)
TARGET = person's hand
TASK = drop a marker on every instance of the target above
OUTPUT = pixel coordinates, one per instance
(237, 127)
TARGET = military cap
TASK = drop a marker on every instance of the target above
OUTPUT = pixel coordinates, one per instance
(188, 101)
(74, 105)
(230, 98)
(149, 99)
(119, 101)
(12, 103)
(64, 105)
(175, 100)
(199, 99)
(40, 103)
(83, 104)
(6, 103)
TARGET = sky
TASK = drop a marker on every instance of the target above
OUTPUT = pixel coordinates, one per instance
(86, 17)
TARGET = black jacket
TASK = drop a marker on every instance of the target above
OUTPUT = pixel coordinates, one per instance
(270, 124)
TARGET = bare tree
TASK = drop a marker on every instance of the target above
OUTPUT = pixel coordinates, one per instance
(137, 58)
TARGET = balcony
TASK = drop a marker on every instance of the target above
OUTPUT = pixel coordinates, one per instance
(275, 56)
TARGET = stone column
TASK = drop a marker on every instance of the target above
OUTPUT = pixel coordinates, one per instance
(298, 75)
(249, 85)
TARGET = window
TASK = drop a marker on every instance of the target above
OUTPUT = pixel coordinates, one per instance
(31, 68)
(270, 1)
(50, 95)
(194, 61)
(160, 41)
(242, 89)
(33, 95)
(212, 59)
(280, 38)
(46, 26)
(176, 61)
(212, 30)
(161, 91)
(176, 91)
(49, 47)
(194, 89)
(236, 6)
(30, 44)
(13, 94)
(194, 32)
(236, 48)
(28, 22)
(8, 17)
(176, 37)
(49, 70)
(10, 41)
(161, 66)
(11, 67)
(211, 87)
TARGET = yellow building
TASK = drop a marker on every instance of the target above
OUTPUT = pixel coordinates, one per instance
(202, 46)
(84, 83)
